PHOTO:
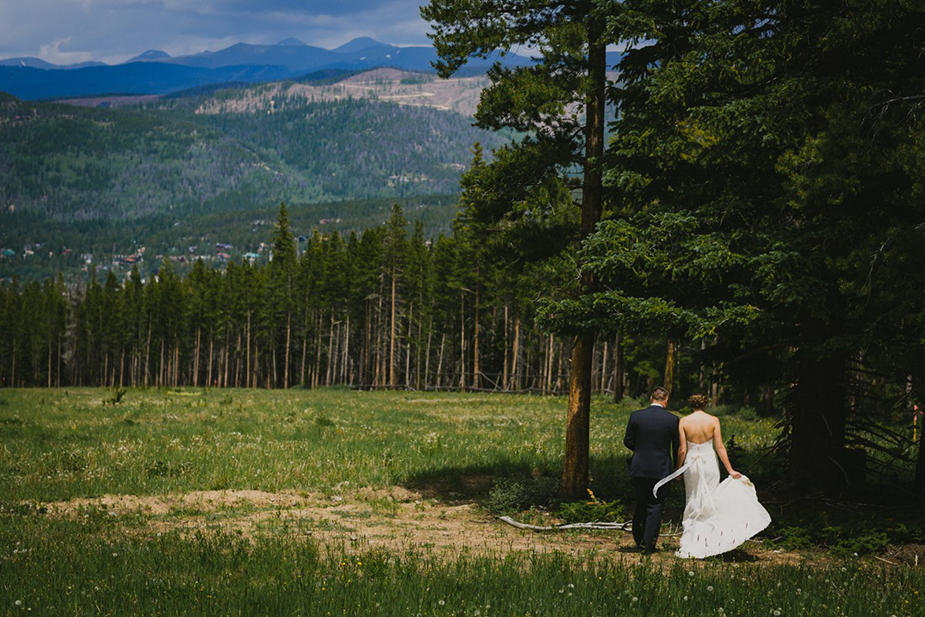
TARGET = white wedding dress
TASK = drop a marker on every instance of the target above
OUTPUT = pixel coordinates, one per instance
(718, 516)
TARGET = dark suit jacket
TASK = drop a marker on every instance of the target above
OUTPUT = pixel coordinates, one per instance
(652, 435)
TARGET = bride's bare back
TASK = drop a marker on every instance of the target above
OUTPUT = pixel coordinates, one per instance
(700, 427)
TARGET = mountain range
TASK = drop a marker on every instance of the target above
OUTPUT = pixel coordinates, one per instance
(156, 72)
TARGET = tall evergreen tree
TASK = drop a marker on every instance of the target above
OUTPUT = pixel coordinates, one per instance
(560, 102)
(281, 285)
(763, 193)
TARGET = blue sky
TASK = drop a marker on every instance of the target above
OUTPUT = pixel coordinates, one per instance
(112, 31)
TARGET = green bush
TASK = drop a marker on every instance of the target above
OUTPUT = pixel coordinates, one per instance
(509, 496)
(592, 511)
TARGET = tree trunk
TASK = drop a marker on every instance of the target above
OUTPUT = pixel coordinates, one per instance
(316, 370)
(475, 345)
(545, 370)
(417, 345)
(345, 361)
(818, 423)
(604, 368)
(430, 336)
(248, 362)
(504, 377)
(668, 381)
(237, 361)
(577, 429)
(920, 461)
(288, 339)
(148, 355)
(226, 353)
(408, 349)
(440, 360)
(331, 353)
(304, 347)
(380, 357)
(619, 378)
(393, 376)
(575, 470)
(211, 357)
(462, 341)
(196, 359)
(515, 354)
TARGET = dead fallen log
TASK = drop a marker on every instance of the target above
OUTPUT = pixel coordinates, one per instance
(628, 526)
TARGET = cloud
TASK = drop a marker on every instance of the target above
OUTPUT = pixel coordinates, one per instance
(67, 31)
(54, 54)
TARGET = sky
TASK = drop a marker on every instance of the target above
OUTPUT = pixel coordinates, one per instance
(112, 31)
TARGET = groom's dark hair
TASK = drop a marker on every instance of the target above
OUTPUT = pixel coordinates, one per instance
(660, 394)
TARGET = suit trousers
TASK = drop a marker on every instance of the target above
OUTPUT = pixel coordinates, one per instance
(647, 518)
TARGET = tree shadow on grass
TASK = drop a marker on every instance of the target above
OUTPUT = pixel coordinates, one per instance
(609, 482)
(466, 483)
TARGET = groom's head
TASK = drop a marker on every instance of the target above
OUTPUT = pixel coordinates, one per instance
(660, 395)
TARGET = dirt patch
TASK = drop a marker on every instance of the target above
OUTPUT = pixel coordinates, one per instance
(395, 519)
(165, 504)
(907, 555)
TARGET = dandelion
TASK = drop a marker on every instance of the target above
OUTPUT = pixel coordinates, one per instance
(635, 599)
(685, 598)
(115, 554)
(571, 585)
(690, 573)
(777, 613)
(18, 602)
(441, 602)
(709, 587)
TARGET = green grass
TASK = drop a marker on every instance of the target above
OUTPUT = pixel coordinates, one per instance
(57, 567)
(63, 444)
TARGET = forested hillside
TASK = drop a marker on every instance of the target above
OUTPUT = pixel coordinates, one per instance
(146, 169)
(74, 247)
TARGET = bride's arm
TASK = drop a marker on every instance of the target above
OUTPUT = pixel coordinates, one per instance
(721, 451)
(682, 446)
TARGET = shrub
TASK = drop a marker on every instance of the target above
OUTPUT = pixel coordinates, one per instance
(508, 496)
(592, 511)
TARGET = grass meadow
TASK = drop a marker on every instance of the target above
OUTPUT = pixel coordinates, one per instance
(336, 502)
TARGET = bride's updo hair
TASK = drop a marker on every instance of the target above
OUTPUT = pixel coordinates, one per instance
(698, 401)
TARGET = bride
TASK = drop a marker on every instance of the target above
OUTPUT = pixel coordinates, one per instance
(718, 516)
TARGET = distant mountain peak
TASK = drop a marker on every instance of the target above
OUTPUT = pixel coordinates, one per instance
(292, 42)
(151, 54)
(359, 44)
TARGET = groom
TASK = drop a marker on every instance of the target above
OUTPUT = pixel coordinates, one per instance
(652, 435)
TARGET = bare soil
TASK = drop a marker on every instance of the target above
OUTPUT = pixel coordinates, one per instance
(394, 519)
